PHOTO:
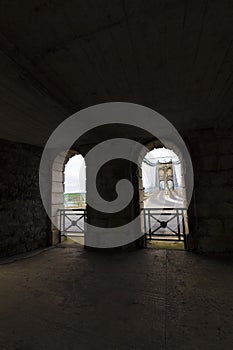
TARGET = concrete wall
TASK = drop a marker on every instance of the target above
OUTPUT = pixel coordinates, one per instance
(24, 225)
(211, 210)
(57, 198)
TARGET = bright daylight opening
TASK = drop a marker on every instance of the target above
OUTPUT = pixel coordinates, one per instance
(74, 212)
(164, 199)
(75, 183)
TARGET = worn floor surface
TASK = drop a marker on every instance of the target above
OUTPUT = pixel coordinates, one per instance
(68, 298)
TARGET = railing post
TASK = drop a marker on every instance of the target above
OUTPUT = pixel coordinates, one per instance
(64, 223)
(184, 230)
(178, 223)
(144, 216)
(149, 223)
(59, 238)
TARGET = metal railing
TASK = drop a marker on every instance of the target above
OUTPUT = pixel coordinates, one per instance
(165, 223)
(160, 224)
(72, 222)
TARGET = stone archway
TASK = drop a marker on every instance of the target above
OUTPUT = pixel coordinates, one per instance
(164, 172)
(57, 191)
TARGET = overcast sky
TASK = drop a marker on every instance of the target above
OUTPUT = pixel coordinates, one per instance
(74, 178)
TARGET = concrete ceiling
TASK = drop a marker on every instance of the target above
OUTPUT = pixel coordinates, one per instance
(57, 57)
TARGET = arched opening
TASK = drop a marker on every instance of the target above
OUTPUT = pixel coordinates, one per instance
(163, 198)
(75, 183)
(68, 200)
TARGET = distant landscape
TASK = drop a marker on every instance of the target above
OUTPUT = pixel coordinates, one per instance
(75, 200)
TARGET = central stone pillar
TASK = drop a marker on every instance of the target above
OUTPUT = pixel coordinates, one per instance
(107, 178)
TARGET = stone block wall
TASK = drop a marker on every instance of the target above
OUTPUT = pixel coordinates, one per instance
(24, 225)
(211, 210)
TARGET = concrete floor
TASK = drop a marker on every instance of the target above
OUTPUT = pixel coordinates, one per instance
(69, 298)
